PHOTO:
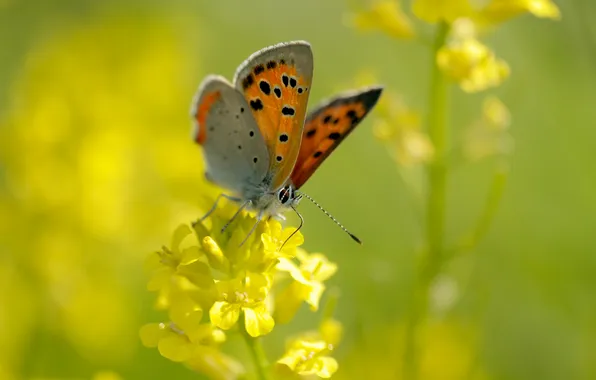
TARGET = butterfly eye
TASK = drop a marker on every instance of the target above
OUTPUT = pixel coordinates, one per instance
(285, 195)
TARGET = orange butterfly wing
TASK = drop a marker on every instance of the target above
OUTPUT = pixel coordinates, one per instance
(327, 126)
(276, 82)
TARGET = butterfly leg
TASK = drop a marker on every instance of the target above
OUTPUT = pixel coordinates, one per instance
(259, 217)
(234, 216)
(222, 195)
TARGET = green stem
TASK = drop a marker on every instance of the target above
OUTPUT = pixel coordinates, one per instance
(435, 204)
(256, 351)
(437, 170)
(491, 205)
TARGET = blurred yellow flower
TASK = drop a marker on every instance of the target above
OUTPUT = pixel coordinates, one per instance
(446, 351)
(487, 12)
(490, 134)
(307, 285)
(384, 16)
(308, 353)
(470, 63)
(498, 11)
(441, 10)
(102, 179)
(400, 127)
(106, 375)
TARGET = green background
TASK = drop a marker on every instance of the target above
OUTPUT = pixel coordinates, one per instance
(527, 291)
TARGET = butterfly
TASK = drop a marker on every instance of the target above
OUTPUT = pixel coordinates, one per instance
(257, 140)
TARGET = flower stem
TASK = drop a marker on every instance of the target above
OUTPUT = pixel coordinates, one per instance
(437, 170)
(256, 351)
(435, 207)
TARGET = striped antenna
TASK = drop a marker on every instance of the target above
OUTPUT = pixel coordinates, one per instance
(331, 217)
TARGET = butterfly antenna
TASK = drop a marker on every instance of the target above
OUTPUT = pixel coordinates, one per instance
(297, 229)
(331, 217)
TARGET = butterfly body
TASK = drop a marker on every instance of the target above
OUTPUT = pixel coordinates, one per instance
(257, 141)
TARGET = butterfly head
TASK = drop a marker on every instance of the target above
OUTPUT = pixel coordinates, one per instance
(286, 195)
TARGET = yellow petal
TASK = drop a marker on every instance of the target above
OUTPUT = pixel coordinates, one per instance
(331, 331)
(186, 314)
(498, 11)
(320, 267)
(181, 232)
(287, 303)
(214, 254)
(224, 315)
(386, 17)
(325, 366)
(151, 333)
(175, 347)
(198, 273)
(190, 255)
(258, 321)
(495, 113)
(286, 265)
(314, 295)
(291, 359)
(215, 365)
(441, 10)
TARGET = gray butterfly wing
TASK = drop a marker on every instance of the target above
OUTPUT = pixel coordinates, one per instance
(235, 152)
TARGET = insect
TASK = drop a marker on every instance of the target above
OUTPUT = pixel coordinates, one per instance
(258, 142)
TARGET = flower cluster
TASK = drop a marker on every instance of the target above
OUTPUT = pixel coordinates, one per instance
(463, 58)
(214, 283)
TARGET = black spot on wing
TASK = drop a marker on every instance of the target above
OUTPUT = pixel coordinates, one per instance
(264, 86)
(326, 119)
(285, 80)
(259, 69)
(293, 82)
(256, 104)
(334, 136)
(248, 81)
(271, 64)
(317, 154)
(284, 137)
(277, 92)
(351, 114)
(288, 111)
(311, 133)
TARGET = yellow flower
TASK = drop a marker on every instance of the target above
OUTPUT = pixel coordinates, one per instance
(385, 16)
(495, 12)
(400, 127)
(441, 10)
(230, 275)
(307, 284)
(199, 352)
(309, 357)
(498, 11)
(246, 295)
(466, 60)
(489, 136)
